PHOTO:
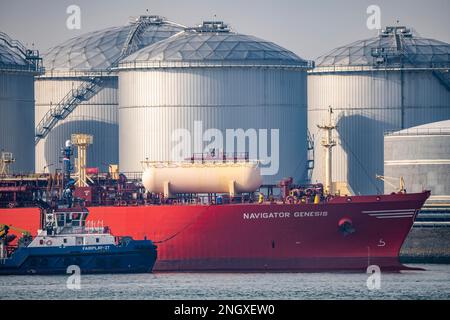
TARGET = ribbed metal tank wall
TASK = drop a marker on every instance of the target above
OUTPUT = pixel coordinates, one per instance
(421, 155)
(68, 65)
(96, 116)
(365, 105)
(225, 80)
(153, 103)
(389, 82)
(17, 119)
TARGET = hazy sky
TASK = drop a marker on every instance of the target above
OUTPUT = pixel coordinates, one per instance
(308, 28)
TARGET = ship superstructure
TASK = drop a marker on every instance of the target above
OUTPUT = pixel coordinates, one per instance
(211, 213)
(66, 239)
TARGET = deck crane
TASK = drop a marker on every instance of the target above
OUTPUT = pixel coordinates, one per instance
(4, 230)
(6, 238)
(400, 188)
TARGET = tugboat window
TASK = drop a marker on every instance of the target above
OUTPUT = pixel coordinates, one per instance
(60, 219)
(65, 240)
(97, 240)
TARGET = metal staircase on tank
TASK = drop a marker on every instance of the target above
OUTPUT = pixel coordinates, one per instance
(402, 52)
(13, 43)
(93, 84)
(31, 55)
(444, 77)
(84, 92)
(440, 71)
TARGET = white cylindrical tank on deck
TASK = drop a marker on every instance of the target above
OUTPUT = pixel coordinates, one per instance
(186, 177)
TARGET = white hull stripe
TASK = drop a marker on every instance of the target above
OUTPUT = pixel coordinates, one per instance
(415, 162)
(392, 213)
(395, 217)
(381, 211)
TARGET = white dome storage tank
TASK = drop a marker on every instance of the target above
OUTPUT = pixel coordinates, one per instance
(213, 78)
(18, 66)
(393, 81)
(421, 155)
(81, 61)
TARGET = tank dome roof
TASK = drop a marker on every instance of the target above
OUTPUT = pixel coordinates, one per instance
(99, 50)
(393, 47)
(212, 43)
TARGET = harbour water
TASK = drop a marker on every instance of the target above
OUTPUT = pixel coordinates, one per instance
(433, 283)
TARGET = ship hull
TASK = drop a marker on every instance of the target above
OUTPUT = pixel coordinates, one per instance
(136, 257)
(263, 237)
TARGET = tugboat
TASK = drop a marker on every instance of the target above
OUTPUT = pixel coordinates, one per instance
(65, 239)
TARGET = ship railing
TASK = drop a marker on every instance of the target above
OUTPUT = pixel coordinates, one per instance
(96, 227)
(213, 157)
(219, 156)
(418, 131)
(208, 199)
(204, 163)
(133, 175)
(90, 227)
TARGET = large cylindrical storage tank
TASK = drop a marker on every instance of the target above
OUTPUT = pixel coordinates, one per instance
(206, 83)
(393, 81)
(17, 70)
(70, 65)
(421, 155)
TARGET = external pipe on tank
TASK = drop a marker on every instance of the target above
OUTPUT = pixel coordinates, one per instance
(66, 161)
(328, 143)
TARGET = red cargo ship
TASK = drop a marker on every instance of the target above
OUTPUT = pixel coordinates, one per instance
(342, 232)
(303, 228)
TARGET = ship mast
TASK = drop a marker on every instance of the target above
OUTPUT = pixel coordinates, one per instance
(81, 141)
(328, 143)
(6, 160)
